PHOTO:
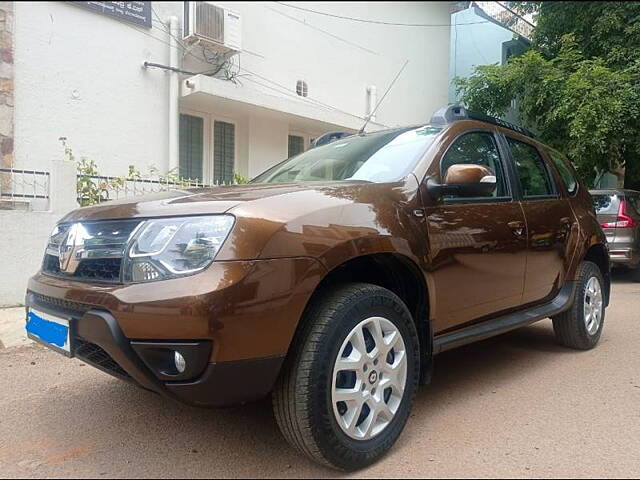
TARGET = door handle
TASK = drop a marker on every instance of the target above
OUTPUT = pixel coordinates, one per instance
(517, 227)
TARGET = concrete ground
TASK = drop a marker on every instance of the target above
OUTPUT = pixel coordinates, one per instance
(12, 327)
(514, 406)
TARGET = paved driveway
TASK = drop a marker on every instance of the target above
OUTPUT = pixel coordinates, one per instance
(513, 406)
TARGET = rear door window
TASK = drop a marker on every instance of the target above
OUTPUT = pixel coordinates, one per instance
(535, 181)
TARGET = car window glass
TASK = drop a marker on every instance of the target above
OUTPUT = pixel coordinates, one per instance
(605, 204)
(477, 148)
(532, 172)
(565, 173)
(379, 157)
(634, 200)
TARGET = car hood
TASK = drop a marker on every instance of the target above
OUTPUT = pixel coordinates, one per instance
(204, 201)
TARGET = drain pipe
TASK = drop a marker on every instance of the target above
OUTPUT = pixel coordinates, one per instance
(174, 95)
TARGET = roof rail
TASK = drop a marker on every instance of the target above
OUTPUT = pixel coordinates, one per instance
(453, 113)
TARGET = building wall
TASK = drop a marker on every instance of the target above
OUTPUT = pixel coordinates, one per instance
(24, 235)
(267, 143)
(78, 74)
(474, 41)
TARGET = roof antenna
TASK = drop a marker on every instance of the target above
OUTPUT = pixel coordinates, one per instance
(373, 112)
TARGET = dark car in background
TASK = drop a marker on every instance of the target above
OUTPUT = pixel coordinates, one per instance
(619, 215)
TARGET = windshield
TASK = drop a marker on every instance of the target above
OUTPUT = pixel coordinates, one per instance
(378, 157)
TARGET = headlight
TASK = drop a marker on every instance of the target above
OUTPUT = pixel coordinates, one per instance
(173, 247)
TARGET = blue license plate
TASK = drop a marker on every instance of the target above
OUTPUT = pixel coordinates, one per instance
(49, 330)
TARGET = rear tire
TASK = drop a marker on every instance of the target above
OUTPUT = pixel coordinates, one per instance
(580, 327)
(336, 337)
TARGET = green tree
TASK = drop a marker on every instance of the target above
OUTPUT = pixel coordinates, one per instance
(578, 86)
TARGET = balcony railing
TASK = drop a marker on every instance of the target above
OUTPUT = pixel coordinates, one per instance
(507, 18)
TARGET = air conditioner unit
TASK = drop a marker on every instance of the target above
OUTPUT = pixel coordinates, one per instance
(213, 26)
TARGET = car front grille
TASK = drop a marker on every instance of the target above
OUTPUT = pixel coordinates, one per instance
(95, 355)
(98, 254)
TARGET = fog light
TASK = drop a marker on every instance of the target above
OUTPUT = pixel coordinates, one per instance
(181, 364)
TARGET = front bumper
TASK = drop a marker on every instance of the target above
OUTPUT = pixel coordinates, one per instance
(233, 323)
(99, 341)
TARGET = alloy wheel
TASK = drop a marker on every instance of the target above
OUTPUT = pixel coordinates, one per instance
(369, 378)
(593, 305)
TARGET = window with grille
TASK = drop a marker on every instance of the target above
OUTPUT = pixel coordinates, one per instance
(191, 147)
(296, 145)
(224, 141)
(302, 88)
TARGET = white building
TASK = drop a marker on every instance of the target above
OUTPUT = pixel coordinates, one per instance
(76, 71)
(79, 74)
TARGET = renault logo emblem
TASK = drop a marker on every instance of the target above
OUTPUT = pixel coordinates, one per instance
(71, 248)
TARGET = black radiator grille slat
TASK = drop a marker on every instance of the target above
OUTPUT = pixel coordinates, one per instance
(51, 264)
(107, 269)
(101, 270)
(94, 354)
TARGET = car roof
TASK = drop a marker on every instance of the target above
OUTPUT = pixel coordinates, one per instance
(613, 191)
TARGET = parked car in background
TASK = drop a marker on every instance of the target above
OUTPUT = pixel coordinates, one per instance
(619, 215)
(332, 279)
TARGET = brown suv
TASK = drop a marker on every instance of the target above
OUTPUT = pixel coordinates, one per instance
(333, 279)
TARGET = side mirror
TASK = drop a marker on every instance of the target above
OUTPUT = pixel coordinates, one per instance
(464, 180)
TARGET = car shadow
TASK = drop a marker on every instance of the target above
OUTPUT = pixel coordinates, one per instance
(245, 441)
(624, 275)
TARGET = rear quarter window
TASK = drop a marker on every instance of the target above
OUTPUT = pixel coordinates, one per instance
(568, 178)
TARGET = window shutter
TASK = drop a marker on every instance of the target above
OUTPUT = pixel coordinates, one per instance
(191, 147)
(224, 137)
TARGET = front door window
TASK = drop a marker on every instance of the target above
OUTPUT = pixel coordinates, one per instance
(478, 148)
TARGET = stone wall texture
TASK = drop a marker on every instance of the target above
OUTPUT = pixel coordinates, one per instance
(6, 83)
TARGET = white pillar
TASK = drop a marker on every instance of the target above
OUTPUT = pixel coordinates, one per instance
(174, 95)
(62, 186)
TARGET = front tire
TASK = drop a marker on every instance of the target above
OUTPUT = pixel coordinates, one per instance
(580, 327)
(347, 387)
